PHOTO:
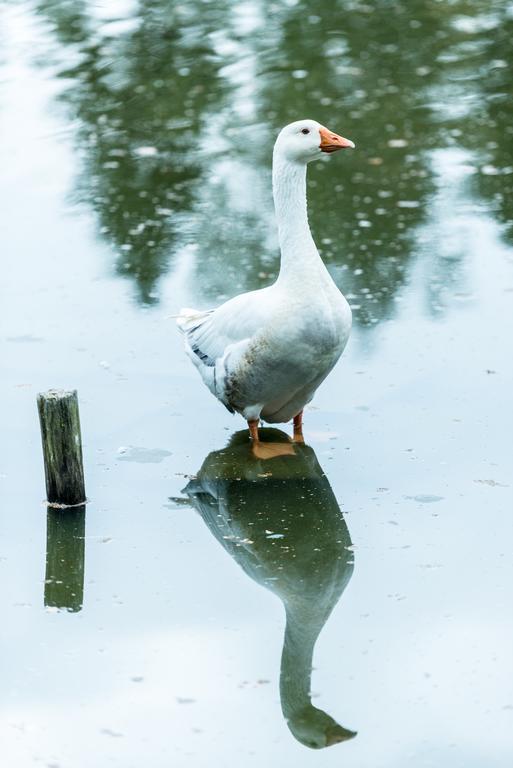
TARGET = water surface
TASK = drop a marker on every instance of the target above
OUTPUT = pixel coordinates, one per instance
(151, 629)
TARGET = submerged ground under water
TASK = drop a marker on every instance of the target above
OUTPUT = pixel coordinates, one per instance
(136, 142)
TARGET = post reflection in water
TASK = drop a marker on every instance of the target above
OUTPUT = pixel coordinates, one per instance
(281, 523)
(65, 551)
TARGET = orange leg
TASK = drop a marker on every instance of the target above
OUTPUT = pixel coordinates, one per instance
(298, 428)
(253, 430)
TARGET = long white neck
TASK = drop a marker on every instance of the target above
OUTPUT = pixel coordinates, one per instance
(298, 251)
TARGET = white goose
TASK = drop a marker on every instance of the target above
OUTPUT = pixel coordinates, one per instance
(264, 353)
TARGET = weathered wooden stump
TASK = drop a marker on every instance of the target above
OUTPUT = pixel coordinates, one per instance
(65, 551)
(62, 447)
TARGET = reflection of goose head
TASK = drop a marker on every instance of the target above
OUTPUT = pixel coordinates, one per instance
(316, 729)
(281, 523)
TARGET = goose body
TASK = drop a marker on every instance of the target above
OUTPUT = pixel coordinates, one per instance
(264, 353)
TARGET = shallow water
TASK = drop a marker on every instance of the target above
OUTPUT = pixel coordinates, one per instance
(136, 145)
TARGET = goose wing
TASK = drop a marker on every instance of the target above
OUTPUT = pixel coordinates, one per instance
(209, 334)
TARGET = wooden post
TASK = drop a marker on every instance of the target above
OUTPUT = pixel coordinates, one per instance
(65, 550)
(62, 447)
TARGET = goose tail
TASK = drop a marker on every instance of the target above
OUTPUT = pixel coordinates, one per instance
(188, 319)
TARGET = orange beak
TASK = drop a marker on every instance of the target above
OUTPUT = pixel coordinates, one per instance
(331, 142)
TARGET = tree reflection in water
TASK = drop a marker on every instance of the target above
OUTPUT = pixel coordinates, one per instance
(139, 97)
(178, 105)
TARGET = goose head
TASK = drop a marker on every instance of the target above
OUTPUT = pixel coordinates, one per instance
(306, 140)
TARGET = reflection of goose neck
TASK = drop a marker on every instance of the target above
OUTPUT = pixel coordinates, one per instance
(311, 726)
(296, 665)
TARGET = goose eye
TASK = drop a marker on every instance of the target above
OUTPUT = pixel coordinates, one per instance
(305, 130)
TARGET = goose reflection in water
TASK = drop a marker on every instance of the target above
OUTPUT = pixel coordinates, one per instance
(281, 523)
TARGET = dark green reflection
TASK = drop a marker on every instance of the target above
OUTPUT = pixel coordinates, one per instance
(491, 121)
(281, 523)
(65, 550)
(139, 98)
